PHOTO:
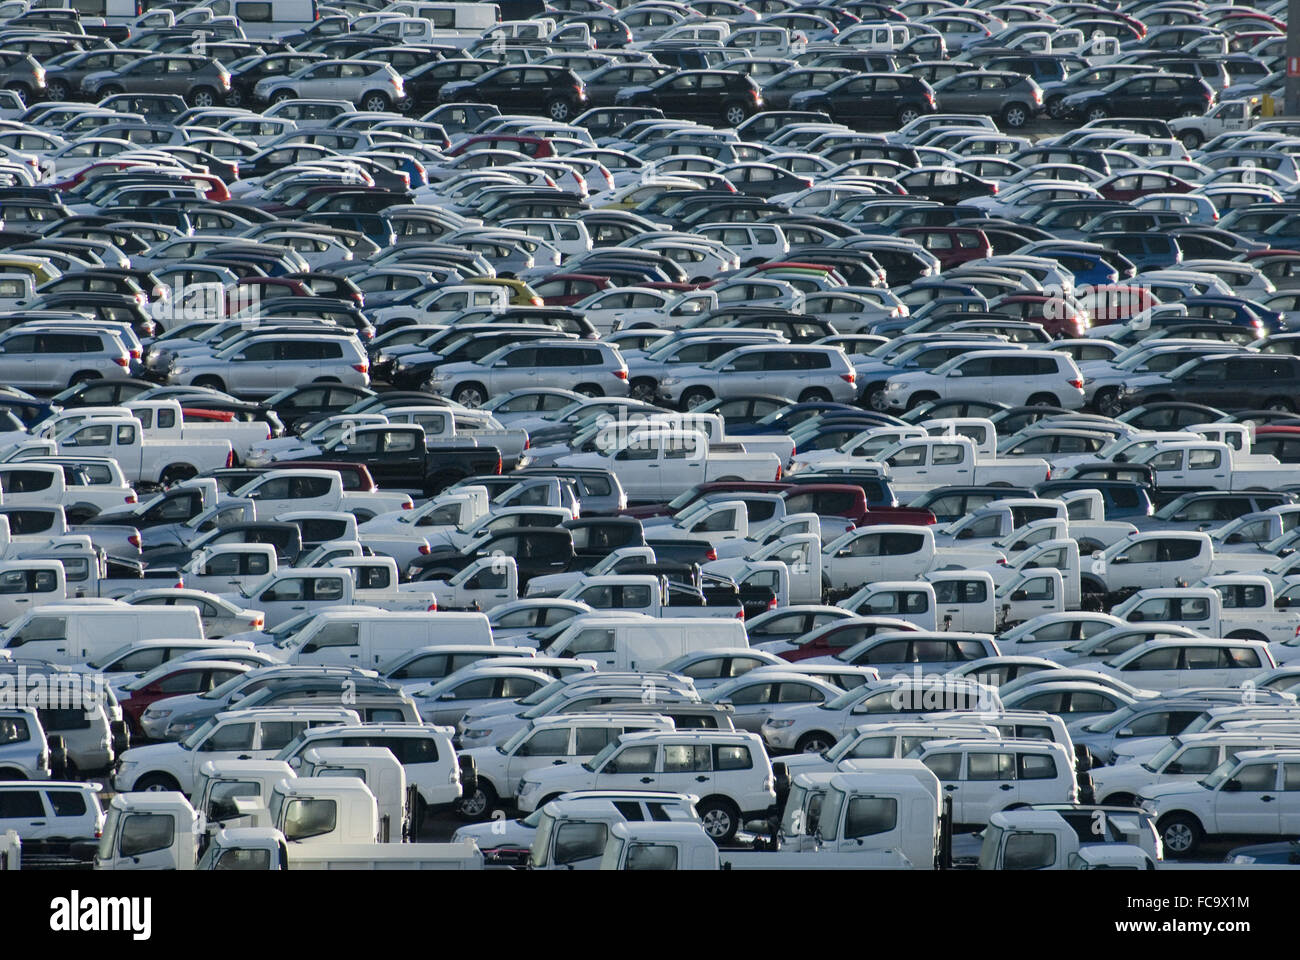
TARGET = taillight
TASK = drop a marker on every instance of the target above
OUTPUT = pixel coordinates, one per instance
(179, 584)
(1077, 384)
(740, 614)
(1049, 474)
(849, 377)
(771, 604)
(257, 623)
(711, 555)
(122, 361)
(621, 374)
(778, 472)
(230, 458)
(361, 367)
(498, 464)
(408, 505)
(130, 498)
(134, 540)
(536, 302)
(433, 606)
(425, 550)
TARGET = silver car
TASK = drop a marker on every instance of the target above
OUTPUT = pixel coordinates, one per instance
(802, 372)
(263, 365)
(594, 369)
(49, 359)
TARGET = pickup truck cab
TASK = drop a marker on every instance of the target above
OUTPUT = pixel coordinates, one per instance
(1202, 465)
(869, 554)
(921, 463)
(1236, 607)
(1053, 839)
(145, 461)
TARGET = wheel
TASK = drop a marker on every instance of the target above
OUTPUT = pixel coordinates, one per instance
(643, 388)
(376, 102)
(176, 473)
(85, 376)
(1098, 113)
(1181, 833)
(1191, 139)
(814, 395)
(733, 114)
(203, 97)
(1042, 400)
(719, 818)
(283, 95)
(212, 383)
(477, 805)
(1247, 635)
(875, 397)
(112, 90)
(559, 110)
(907, 115)
(696, 396)
(57, 89)
(470, 395)
(919, 398)
(589, 390)
(1015, 116)
(1107, 402)
(1280, 404)
(1056, 108)
(815, 741)
(156, 783)
(235, 98)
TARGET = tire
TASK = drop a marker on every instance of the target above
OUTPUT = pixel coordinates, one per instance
(477, 805)
(695, 396)
(814, 741)
(472, 395)
(1280, 404)
(1107, 402)
(643, 388)
(1056, 108)
(1098, 113)
(813, 395)
(176, 473)
(203, 97)
(874, 396)
(1015, 116)
(559, 110)
(916, 399)
(235, 98)
(376, 102)
(1191, 139)
(589, 390)
(907, 115)
(720, 819)
(733, 115)
(156, 782)
(112, 90)
(1043, 400)
(1181, 834)
(84, 376)
(282, 95)
(57, 89)
(212, 383)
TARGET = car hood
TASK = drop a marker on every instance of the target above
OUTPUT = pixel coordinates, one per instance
(1162, 791)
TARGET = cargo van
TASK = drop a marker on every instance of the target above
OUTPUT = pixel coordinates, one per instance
(451, 19)
(369, 640)
(71, 633)
(261, 19)
(626, 643)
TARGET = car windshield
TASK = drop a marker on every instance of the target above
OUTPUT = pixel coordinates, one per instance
(595, 762)
(218, 693)
(197, 737)
(844, 700)
(1111, 720)
(542, 694)
(1219, 773)
(1153, 764)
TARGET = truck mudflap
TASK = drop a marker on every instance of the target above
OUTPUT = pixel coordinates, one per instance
(121, 736)
(1087, 790)
(943, 851)
(468, 774)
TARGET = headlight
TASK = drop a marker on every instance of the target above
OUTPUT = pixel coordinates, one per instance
(892, 385)
(157, 713)
(670, 381)
(527, 786)
(780, 724)
(478, 734)
(181, 369)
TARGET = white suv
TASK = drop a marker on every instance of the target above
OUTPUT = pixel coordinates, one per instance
(52, 817)
(24, 754)
(729, 771)
(984, 777)
(547, 741)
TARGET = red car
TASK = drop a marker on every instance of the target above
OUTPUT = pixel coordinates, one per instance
(566, 289)
(1058, 316)
(194, 676)
(838, 635)
(952, 245)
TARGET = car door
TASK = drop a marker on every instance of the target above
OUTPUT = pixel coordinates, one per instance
(753, 705)
(256, 368)
(546, 747)
(987, 786)
(1158, 669)
(1247, 803)
(633, 767)
(687, 768)
(1288, 801)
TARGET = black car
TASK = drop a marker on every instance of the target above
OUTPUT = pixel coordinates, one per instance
(245, 73)
(555, 91)
(604, 84)
(708, 94)
(1153, 95)
(1230, 382)
(873, 98)
(424, 83)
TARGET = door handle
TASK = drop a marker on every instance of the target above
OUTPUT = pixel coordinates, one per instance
(647, 779)
(37, 823)
(243, 756)
(950, 787)
(1005, 786)
(1266, 799)
(701, 779)
(556, 763)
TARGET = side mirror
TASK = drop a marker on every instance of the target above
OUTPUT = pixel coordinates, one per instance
(956, 373)
(1126, 732)
(1232, 786)
(1121, 559)
(1281, 603)
(1120, 458)
(1020, 595)
(966, 533)
(1234, 538)
(1180, 517)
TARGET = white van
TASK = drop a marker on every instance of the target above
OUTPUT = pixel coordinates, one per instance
(450, 19)
(266, 18)
(628, 643)
(367, 640)
(71, 633)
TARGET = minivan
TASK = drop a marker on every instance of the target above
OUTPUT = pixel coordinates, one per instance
(367, 640)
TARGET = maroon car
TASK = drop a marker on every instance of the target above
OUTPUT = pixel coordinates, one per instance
(194, 676)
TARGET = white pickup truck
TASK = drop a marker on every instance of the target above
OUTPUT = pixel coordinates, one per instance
(1205, 465)
(1235, 607)
(1237, 114)
(46, 484)
(922, 463)
(288, 592)
(404, 534)
(655, 465)
(144, 460)
(166, 420)
(277, 491)
(870, 554)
